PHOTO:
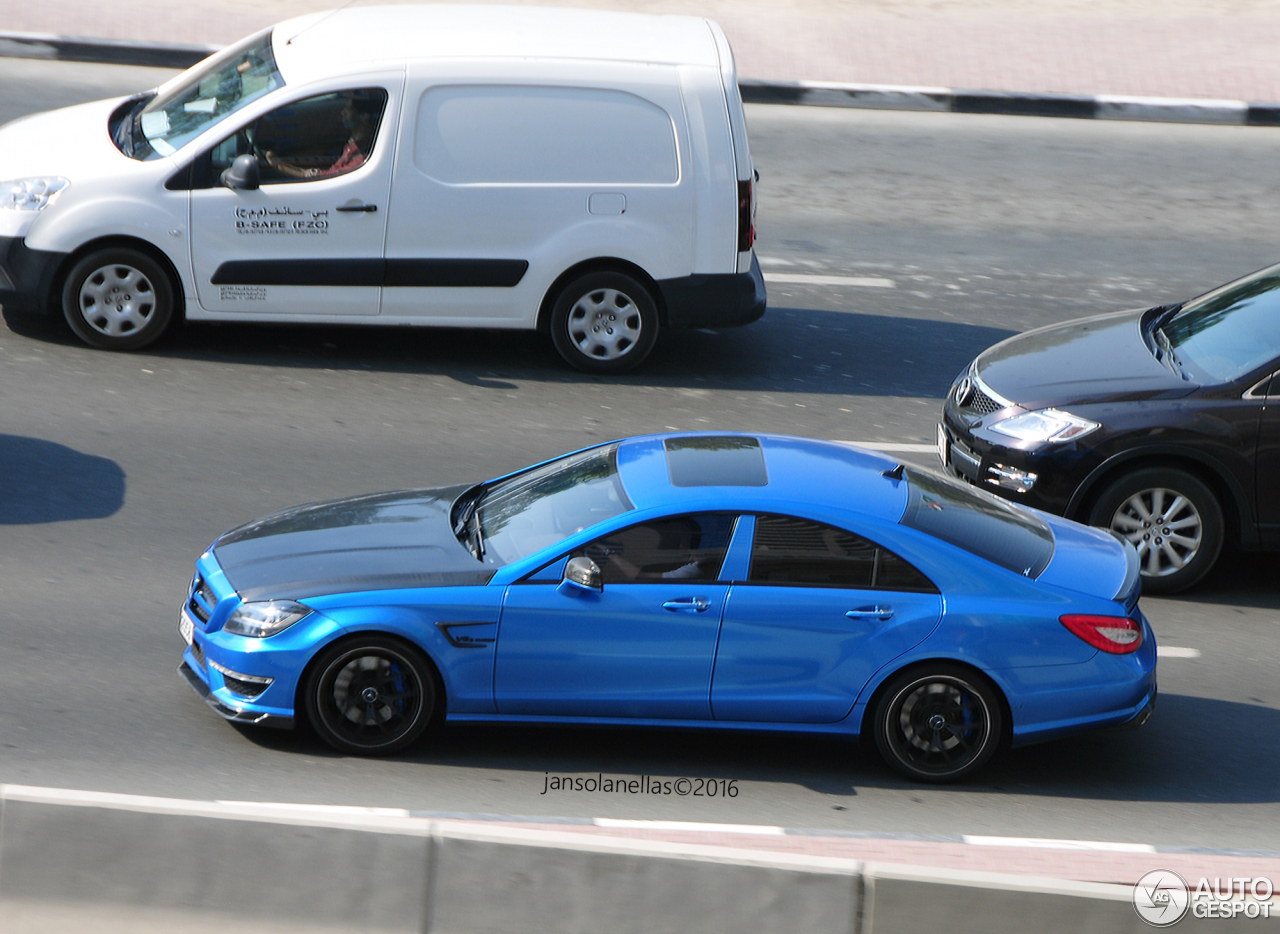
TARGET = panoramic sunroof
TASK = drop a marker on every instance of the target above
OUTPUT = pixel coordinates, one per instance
(715, 462)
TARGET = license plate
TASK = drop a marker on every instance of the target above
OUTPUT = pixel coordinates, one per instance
(942, 444)
(185, 627)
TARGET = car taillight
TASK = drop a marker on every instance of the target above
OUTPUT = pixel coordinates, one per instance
(746, 228)
(1118, 635)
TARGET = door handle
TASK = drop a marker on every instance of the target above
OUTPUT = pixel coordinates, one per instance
(871, 612)
(697, 604)
(357, 208)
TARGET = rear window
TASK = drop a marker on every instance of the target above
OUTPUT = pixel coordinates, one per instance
(980, 523)
(529, 135)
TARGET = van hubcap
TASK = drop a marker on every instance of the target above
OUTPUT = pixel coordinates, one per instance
(117, 300)
(1164, 526)
(604, 324)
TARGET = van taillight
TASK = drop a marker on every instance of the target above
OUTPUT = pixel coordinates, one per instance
(1118, 635)
(746, 226)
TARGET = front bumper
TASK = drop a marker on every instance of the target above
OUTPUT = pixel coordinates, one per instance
(26, 275)
(714, 300)
(234, 714)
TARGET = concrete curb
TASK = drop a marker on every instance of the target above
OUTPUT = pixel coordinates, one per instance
(97, 862)
(810, 93)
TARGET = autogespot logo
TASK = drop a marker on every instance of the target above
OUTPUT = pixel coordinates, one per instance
(1161, 897)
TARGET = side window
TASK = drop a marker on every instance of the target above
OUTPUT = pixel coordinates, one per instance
(787, 550)
(683, 548)
(318, 137)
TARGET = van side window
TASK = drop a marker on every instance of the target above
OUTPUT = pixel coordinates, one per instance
(530, 135)
(318, 137)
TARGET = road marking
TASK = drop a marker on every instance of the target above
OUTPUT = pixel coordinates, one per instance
(894, 446)
(803, 278)
(1038, 843)
(688, 825)
(1176, 651)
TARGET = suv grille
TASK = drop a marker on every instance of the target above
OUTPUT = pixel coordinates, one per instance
(982, 403)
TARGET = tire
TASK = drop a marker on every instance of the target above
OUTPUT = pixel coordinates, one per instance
(118, 299)
(604, 322)
(1176, 551)
(393, 716)
(938, 723)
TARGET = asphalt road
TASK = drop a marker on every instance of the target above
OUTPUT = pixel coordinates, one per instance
(116, 470)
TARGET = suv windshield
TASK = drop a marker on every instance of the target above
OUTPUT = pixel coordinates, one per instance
(978, 522)
(203, 96)
(544, 505)
(1232, 330)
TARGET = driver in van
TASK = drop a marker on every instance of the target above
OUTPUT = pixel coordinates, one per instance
(359, 127)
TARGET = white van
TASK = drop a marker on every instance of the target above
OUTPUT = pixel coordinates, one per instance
(582, 173)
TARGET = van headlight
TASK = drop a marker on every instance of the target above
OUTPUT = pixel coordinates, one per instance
(259, 620)
(1045, 426)
(31, 194)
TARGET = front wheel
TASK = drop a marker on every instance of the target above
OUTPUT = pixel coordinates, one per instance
(939, 723)
(118, 299)
(604, 322)
(371, 696)
(1172, 519)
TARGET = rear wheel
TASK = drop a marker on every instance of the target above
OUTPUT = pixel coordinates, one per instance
(938, 723)
(604, 322)
(1171, 517)
(118, 299)
(371, 696)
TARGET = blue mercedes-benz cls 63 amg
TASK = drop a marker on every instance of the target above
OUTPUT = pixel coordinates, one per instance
(690, 580)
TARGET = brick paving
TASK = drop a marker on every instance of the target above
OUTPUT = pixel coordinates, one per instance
(1179, 48)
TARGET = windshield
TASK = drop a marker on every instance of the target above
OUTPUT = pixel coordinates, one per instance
(980, 523)
(1230, 331)
(544, 505)
(203, 96)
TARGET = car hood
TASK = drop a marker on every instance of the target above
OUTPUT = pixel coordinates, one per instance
(1099, 359)
(1089, 560)
(382, 541)
(73, 142)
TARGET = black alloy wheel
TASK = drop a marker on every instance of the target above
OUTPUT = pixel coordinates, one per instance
(604, 322)
(1173, 520)
(118, 298)
(938, 723)
(370, 696)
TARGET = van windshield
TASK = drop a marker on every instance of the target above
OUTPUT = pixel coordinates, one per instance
(202, 97)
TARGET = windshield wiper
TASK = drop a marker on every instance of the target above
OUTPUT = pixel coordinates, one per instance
(478, 535)
(1168, 357)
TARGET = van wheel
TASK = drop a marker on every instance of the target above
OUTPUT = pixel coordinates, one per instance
(604, 322)
(1172, 518)
(118, 299)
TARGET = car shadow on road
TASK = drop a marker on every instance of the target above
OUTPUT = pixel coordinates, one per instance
(790, 350)
(43, 481)
(1153, 763)
(1239, 579)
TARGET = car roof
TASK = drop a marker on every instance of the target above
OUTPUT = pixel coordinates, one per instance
(350, 39)
(796, 471)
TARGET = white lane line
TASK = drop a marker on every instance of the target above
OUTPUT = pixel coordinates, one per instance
(1176, 651)
(688, 825)
(803, 278)
(893, 446)
(1043, 844)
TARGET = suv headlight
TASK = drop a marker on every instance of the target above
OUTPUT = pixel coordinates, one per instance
(1045, 426)
(31, 194)
(259, 620)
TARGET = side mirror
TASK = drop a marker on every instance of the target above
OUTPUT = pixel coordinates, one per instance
(244, 174)
(581, 573)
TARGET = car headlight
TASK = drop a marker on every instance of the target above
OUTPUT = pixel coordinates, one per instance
(31, 194)
(259, 620)
(1045, 426)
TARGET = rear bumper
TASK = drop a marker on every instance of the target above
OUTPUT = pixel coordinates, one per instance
(26, 275)
(714, 300)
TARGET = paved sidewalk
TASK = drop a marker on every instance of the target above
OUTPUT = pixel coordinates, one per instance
(1212, 49)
